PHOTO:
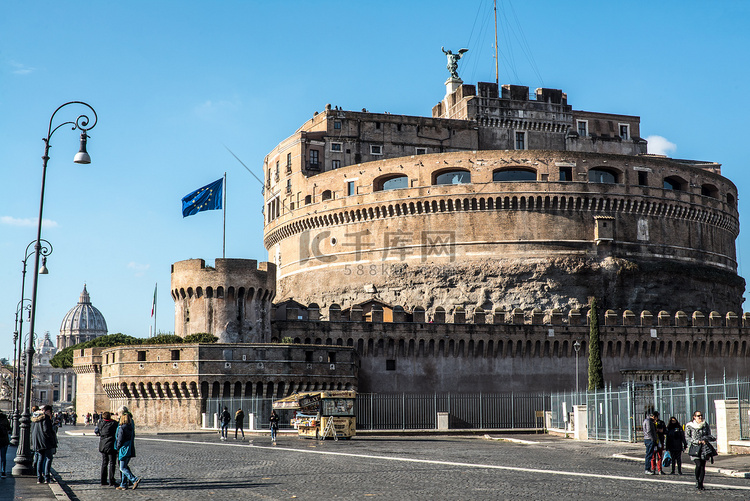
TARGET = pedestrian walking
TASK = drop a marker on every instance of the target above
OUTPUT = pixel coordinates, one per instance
(239, 420)
(125, 446)
(34, 412)
(44, 442)
(659, 445)
(225, 419)
(675, 443)
(106, 428)
(4, 441)
(274, 425)
(698, 434)
(649, 438)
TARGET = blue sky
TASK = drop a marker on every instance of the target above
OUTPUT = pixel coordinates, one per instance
(174, 83)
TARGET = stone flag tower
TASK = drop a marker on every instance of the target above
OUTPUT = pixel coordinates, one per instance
(231, 300)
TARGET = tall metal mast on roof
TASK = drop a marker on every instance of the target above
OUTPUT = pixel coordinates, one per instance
(497, 63)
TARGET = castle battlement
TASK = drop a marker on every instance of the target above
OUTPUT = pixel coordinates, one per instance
(230, 300)
(575, 317)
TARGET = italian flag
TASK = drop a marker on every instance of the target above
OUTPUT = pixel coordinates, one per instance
(153, 304)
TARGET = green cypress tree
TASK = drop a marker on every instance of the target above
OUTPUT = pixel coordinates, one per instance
(596, 371)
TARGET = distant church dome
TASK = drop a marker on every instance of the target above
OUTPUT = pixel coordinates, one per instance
(44, 351)
(82, 323)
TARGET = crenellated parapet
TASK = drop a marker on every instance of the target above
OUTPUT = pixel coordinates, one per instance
(456, 349)
(375, 312)
(231, 300)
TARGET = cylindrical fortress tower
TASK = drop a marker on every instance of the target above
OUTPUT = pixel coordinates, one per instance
(522, 229)
(231, 300)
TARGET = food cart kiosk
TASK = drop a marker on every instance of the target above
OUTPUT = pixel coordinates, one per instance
(322, 414)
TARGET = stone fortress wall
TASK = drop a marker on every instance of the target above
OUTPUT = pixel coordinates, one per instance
(231, 300)
(517, 350)
(166, 386)
(530, 243)
(498, 198)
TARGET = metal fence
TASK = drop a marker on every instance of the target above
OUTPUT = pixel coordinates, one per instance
(259, 407)
(618, 414)
(409, 411)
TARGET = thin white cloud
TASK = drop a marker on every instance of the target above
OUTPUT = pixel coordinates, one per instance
(212, 109)
(21, 69)
(658, 145)
(140, 269)
(26, 222)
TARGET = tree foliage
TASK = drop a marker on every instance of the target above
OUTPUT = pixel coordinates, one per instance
(63, 359)
(163, 339)
(200, 337)
(596, 370)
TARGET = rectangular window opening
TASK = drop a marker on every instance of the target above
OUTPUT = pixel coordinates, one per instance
(175, 354)
(390, 365)
(520, 140)
(583, 128)
(350, 188)
(625, 131)
(642, 178)
(566, 173)
(141, 356)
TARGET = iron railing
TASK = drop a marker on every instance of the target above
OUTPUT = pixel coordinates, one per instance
(617, 414)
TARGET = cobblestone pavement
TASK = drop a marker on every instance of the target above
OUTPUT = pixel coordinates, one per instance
(197, 466)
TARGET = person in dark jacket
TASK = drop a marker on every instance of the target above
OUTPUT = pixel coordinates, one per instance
(273, 423)
(125, 446)
(44, 442)
(659, 445)
(106, 428)
(239, 422)
(675, 443)
(226, 418)
(698, 437)
(4, 441)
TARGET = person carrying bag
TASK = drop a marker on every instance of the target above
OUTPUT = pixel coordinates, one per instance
(698, 436)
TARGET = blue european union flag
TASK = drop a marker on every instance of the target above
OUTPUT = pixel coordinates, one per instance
(206, 198)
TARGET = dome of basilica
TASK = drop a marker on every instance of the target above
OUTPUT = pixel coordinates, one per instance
(82, 323)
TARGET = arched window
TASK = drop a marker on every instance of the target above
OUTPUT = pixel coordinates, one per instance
(326, 195)
(452, 177)
(709, 190)
(504, 175)
(391, 182)
(308, 199)
(674, 183)
(599, 175)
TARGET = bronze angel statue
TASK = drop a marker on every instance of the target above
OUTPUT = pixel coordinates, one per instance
(453, 60)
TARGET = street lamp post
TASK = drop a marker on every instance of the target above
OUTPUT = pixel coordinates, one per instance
(577, 348)
(45, 250)
(15, 413)
(23, 454)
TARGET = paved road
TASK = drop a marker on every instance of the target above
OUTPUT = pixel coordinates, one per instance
(198, 466)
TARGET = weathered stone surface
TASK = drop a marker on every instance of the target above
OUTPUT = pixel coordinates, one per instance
(563, 283)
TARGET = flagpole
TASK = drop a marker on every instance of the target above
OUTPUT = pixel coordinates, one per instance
(224, 205)
(155, 331)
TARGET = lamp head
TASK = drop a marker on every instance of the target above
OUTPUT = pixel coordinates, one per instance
(82, 157)
(43, 269)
